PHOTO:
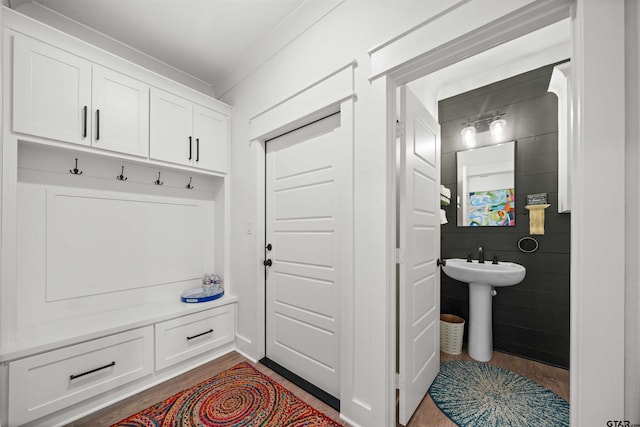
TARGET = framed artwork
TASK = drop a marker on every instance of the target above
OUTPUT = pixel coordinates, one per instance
(492, 208)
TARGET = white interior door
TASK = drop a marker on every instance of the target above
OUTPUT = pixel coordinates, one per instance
(419, 217)
(306, 181)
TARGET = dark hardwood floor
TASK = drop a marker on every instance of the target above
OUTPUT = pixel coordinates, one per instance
(427, 415)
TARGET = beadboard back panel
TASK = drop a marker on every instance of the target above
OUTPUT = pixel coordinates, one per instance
(86, 250)
(100, 242)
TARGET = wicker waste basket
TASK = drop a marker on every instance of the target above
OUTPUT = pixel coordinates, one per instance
(451, 333)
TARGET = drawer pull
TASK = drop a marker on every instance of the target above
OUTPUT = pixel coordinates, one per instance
(84, 122)
(199, 335)
(97, 125)
(73, 377)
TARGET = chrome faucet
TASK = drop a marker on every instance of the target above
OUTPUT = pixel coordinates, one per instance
(480, 255)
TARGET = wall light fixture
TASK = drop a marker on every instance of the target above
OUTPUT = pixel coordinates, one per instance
(498, 127)
(493, 122)
(469, 135)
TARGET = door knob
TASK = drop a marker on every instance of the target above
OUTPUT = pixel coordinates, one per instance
(269, 247)
(267, 263)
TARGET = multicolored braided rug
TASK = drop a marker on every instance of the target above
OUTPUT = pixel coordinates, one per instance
(240, 396)
(474, 394)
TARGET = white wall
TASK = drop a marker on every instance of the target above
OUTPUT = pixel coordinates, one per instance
(343, 36)
(632, 279)
(598, 279)
(346, 34)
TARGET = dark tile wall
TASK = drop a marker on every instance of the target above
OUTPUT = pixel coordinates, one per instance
(530, 319)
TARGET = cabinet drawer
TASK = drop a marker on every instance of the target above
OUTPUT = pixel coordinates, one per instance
(188, 336)
(42, 384)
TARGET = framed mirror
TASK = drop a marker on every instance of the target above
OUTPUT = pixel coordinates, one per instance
(486, 186)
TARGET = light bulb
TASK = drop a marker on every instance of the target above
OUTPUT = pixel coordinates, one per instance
(498, 128)
(469, 135)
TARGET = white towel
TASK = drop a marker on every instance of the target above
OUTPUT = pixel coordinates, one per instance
(443, 217)
(445, 196)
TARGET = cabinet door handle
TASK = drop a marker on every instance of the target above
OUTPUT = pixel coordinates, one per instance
(190, 156)
(97, 125)
(197, 149)
(84, 122)
(73, 377)
(210, 331)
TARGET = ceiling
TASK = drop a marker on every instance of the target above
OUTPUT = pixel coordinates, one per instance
(206, 39)
(211, 45)
(545, 46)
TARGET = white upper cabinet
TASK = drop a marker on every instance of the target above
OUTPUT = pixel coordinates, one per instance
(120, 113)
(52, 98)
(171, 128)
(51, 92)
(210, 129)
(66, 95)
(187, 133)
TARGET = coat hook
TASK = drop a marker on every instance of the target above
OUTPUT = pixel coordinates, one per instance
(75, 170)
(121, 177)
(189, 186)
(157, 181)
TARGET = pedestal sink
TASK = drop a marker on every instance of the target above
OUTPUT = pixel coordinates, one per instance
(482, 278)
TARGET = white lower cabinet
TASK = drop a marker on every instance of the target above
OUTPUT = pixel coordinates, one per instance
(54, 381)
(185, 337)
(42, 384)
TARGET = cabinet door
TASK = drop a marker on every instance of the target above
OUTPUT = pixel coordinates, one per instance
(171, 130)
(51, 92)
(211, 131)
(120, 112)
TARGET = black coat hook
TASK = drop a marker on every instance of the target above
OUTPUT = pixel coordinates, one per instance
(157, 181)
(75, 170)
(189, 186)
(121, 177)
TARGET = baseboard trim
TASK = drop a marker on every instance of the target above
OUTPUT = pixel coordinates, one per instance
(245, 355)
(349, 421)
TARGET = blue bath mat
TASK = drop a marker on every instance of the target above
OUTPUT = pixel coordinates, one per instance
(481, 395)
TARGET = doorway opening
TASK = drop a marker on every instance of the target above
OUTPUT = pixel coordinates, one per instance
(305, 179)
(548, 45)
